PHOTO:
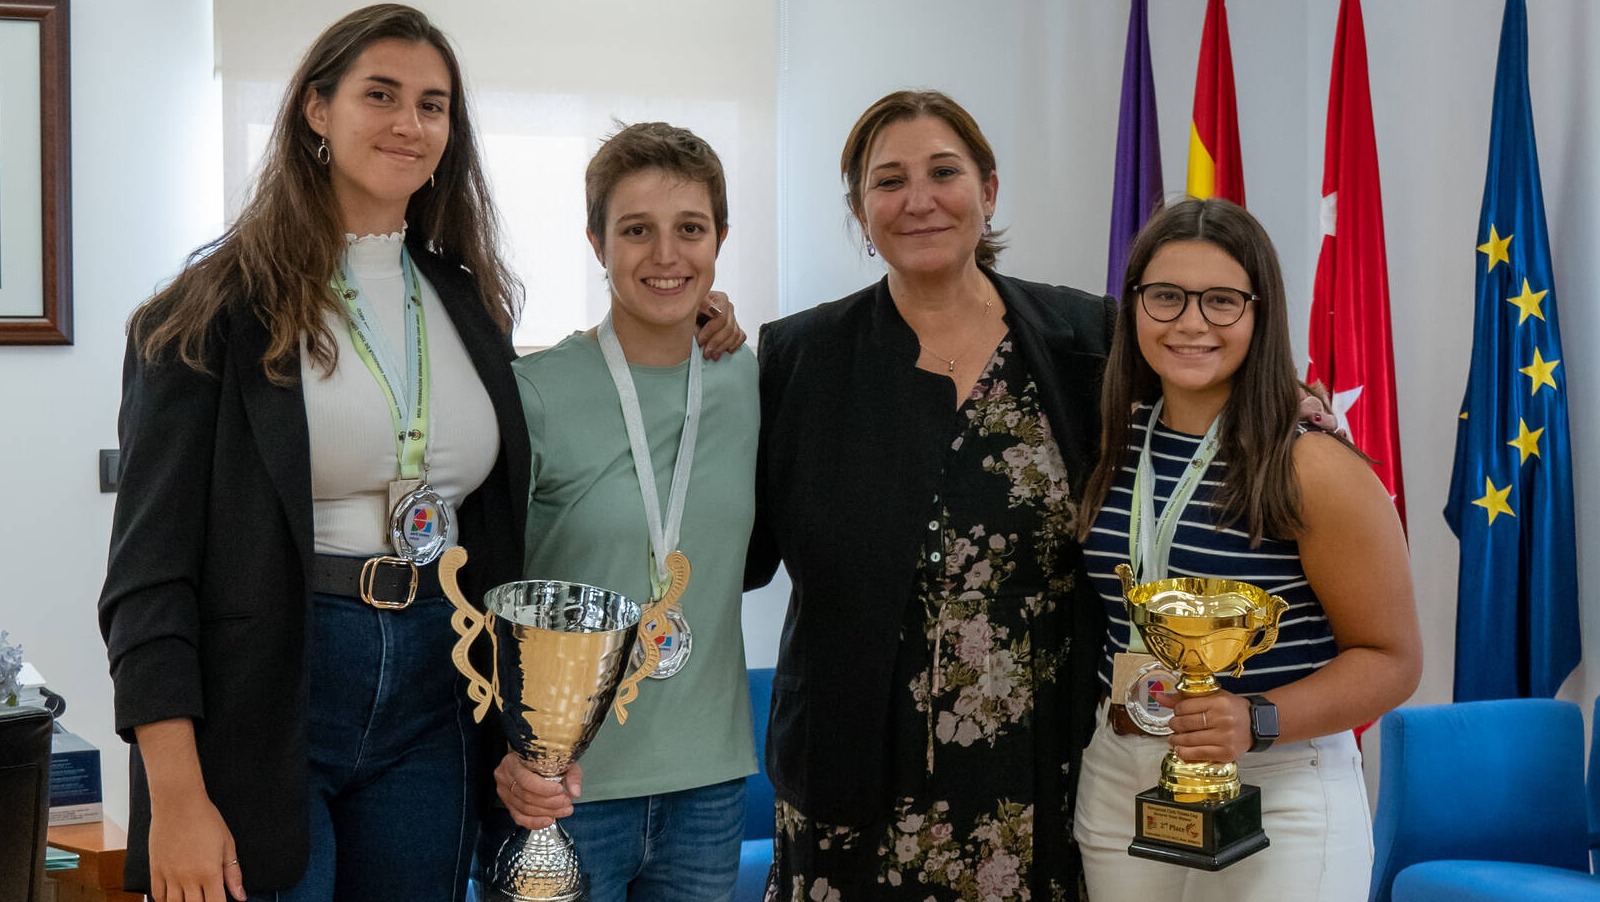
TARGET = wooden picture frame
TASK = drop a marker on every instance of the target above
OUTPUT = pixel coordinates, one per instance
(35, 184)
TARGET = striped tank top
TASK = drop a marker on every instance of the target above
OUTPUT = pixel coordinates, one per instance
(1305, 640)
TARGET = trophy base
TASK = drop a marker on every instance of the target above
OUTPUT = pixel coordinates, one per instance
(1208, 835)
(536, 866)
(489, 893)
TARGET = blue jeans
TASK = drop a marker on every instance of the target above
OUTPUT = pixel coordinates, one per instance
(393, 806)
(675, 847)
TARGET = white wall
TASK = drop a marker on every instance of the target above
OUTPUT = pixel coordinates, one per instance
(146, 186)
(1042, 78)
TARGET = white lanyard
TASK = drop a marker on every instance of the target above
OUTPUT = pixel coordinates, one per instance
(663, 537)
(1148, 549)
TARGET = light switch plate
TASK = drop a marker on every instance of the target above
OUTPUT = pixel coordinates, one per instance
(110, 465)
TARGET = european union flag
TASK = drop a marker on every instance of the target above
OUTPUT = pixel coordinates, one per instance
(1511, 492)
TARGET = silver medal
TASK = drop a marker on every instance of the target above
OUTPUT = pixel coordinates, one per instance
(675, 645)
(421, 526)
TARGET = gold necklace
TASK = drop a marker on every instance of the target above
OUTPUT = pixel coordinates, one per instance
(950, 362)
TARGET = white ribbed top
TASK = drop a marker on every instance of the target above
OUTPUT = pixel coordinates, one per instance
(352, 439)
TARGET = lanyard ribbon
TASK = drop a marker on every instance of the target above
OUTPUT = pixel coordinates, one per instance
(663, 534)
(1148, 549)
(409, 391)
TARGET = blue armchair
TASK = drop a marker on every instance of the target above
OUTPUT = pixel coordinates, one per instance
(1483, 802)
(755, 858)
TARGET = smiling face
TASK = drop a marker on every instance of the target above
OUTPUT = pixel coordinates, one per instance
(1195, 360)
(924, 202)
(386, 124)
(660, 254)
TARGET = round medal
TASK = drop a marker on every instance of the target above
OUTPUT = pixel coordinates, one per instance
(675, 645)
(422, 526)
(1142, 704)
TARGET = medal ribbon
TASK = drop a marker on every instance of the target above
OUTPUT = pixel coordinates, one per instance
(663, 535)
(409, 394)
(1148, 549)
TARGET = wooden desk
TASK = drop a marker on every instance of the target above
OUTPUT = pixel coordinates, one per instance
(101, 849)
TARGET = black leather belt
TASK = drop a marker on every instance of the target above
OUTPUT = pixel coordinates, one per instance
(387, 583)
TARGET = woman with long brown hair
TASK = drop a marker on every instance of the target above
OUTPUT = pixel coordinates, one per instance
(1204, 472)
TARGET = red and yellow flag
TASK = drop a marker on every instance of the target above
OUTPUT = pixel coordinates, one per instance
(1215, 168)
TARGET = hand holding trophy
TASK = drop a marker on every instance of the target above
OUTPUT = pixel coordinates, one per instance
(1199, 815)
(560, 649)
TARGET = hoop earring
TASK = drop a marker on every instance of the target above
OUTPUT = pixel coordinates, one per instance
(324, 155)
(871, 250)
(430, 180)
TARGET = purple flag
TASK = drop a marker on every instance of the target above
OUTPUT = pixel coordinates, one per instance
(1138, 181)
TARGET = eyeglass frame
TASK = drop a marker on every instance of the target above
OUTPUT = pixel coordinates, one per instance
(1199, 297)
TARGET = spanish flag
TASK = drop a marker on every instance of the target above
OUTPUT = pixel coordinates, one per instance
(1215, 169)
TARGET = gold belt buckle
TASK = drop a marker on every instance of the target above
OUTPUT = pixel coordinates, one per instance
(369, 575)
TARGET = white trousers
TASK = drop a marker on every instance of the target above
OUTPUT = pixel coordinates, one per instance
(1313, 808)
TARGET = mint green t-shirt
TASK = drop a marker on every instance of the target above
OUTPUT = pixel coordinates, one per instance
(586, 523)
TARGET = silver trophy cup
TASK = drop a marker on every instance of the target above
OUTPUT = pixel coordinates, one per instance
(560, 650)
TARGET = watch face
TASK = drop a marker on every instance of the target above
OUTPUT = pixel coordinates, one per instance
(1264, 719)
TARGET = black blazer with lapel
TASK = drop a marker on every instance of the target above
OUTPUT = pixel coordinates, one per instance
(846, 483)
(204, 604)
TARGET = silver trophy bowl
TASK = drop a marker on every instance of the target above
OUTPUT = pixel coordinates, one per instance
(560, 650)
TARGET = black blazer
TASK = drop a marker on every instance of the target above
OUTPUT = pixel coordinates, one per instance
(844, 492)
(204, 605)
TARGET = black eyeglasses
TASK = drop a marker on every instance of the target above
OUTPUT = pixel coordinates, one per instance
(1165, 302)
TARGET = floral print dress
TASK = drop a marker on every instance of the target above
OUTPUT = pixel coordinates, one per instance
(969, 772)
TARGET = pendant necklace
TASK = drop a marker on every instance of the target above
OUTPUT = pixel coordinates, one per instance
(950, 362)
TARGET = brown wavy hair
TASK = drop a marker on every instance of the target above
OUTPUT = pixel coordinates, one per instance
(283, 249)
(1257, 427)
(898, 107)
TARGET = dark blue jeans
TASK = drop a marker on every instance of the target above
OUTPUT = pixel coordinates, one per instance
(674, 847)
(393, 806)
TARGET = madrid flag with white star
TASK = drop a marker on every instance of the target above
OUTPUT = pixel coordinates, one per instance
(1511, 492)
(1351, 352)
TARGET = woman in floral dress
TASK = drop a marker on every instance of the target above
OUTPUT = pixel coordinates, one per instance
(922, 444)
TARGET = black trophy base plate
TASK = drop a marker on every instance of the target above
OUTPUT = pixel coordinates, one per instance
(1207, 836)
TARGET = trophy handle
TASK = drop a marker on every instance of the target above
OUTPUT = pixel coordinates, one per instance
(652, 626)
(1125, 573)
(468, 623)
(1267, 621)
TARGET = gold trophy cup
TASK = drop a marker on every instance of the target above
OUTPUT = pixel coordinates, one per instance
(1199, 815)
(560, 652)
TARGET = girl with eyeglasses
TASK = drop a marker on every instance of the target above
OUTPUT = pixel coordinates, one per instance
(1201, 380)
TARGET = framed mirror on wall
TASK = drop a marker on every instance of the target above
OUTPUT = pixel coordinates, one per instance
(35, 174)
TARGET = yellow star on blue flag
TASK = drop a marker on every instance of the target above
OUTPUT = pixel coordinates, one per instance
(1510, 502)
